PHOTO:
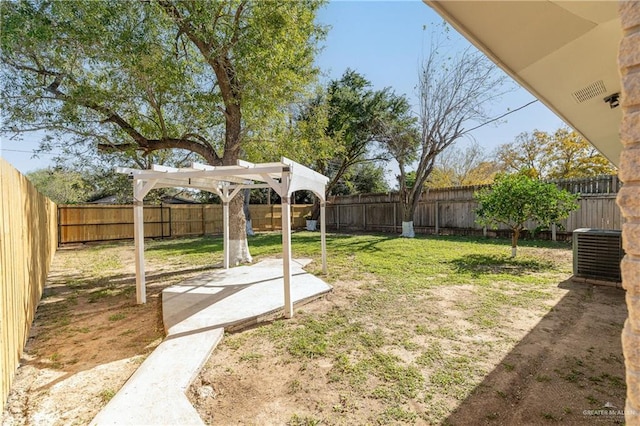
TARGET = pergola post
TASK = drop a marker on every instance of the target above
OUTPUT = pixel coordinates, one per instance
(323, 234)
(225, 233)
(138, 236)
(286, 246)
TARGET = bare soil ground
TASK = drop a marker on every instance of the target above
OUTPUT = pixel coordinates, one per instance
(88, 335)
(550, 361)
(535, 369)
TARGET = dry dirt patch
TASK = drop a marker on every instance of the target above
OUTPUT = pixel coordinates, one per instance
(88, 335)
(543, 364)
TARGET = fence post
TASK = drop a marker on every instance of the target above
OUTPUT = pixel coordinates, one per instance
(364, 216)
(395, 217)
(162, 220)
(59, 227)
(437, 217)
(337, 217)
(204, 225)
(553, 232)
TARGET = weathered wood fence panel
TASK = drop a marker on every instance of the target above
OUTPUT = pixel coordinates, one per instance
(86, 223)
(452, 210)
(596, 211)
(27, 244)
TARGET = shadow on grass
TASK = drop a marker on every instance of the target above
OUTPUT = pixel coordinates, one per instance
(482, 264)
(206, 244)
(368, 243)
(114, 284)
(270, 243)
(522, 242)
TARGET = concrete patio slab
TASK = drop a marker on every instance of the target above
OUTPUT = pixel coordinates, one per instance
(195, 313)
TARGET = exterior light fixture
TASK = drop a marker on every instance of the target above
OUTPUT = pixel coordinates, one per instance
(613, 100)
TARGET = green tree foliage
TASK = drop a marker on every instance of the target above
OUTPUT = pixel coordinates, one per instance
(62, 186)
(410, 179)
(302, 136)
(127, 76)
(346, 121)
(462, 167)
(363, 178)
(357, 116)
(94, 177)
(369, 178)
(146, 76)
(515, 199)
(561, 155)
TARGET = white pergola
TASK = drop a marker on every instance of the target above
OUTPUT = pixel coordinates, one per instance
(284, 177)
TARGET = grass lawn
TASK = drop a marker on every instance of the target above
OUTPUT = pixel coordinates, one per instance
(428, 330)
(412, 331)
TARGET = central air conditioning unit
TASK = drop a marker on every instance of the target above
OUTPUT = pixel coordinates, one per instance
(597, 254)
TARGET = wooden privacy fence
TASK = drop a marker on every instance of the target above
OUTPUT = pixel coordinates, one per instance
(452, 210)
(85, 223)
(448, 210)
(27, 245)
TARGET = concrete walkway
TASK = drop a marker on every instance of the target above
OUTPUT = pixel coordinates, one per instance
(195, 313)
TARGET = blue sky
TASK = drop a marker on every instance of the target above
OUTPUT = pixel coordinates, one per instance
(384, 41)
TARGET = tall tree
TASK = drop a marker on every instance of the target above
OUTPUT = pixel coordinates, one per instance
(563, 154)
(462, 167)
(125, 76)
(452, 91)
(571, 156)
(352, 116)
(355, 116)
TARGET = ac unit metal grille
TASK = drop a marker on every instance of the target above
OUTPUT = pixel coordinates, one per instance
(597, 254)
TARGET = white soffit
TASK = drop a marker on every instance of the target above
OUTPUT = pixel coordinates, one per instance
(563, 52)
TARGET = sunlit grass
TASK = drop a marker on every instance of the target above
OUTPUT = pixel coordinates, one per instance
(419, 262)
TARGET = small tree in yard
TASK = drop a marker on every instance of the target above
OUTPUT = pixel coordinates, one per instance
(514, 199)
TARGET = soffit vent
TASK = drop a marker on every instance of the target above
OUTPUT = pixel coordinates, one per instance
(591, 91)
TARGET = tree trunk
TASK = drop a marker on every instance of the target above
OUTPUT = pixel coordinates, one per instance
(238, 246)
(247, 212)
(515, 234)
(407, 208)
(315, 210)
